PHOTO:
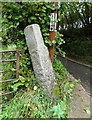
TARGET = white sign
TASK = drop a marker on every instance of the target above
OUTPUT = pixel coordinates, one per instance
(53, 23)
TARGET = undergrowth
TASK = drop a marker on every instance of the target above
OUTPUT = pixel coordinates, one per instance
(33, 103)
(29, 100)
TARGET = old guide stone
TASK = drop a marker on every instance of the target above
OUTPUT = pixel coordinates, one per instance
(40, 59)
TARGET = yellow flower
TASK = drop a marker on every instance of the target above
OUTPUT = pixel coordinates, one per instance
(35, 87)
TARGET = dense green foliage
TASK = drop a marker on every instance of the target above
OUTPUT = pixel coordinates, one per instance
(75, 15)
(29, 100)
(79, 49)
(33, 103)
(76, 26)
(15, 17)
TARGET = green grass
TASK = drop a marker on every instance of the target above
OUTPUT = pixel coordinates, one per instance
(33, 103)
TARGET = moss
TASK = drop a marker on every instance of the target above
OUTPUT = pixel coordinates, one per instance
(57, 92)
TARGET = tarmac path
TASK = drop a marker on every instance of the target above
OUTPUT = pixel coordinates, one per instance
(80, 71)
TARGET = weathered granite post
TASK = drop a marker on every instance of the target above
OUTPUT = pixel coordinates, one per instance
(40, 59)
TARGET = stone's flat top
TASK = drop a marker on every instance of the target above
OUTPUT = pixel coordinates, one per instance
(34, 37)
(80, 106)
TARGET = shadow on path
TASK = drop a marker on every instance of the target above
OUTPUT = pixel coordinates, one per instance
(79, 71)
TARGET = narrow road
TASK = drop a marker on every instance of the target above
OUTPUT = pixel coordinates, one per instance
(80, 71)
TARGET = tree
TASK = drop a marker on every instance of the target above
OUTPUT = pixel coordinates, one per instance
(76, 15)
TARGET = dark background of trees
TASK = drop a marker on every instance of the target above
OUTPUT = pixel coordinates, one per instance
(76, 26)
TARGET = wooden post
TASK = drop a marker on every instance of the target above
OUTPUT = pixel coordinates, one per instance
(52, 32)
(51, 48)
(17, 64)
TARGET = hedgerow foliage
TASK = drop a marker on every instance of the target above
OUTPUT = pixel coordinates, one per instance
(15, 17)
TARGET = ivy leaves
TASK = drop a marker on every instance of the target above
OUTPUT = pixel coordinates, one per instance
(19, 15)
(58, 40)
